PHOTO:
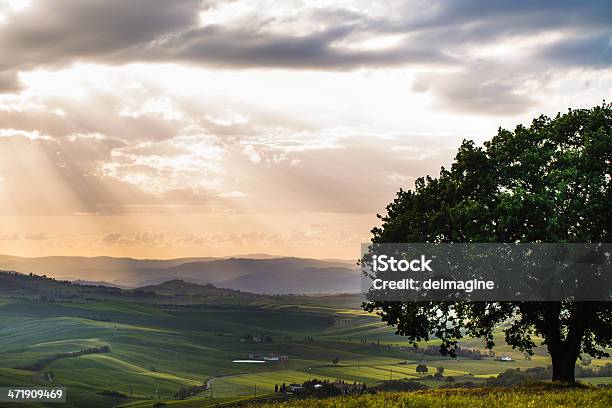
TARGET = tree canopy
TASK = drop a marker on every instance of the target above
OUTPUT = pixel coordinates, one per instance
(549, 182)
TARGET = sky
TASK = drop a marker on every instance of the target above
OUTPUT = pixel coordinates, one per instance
(161, 129)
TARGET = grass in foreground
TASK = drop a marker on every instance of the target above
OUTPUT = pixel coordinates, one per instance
(472, 398)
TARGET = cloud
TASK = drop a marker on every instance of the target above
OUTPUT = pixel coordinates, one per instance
(245, 34)
(351, 177)
(238, 124)
(252, 48)
(109, 138)
(270, 240)
(468, 92)
(9, 82)
(56, 33)
(59, 176)
(41, 236)
(9, 237)
(585, 50)
(111, 238)
(135, 239)
(53, 32)
(298, 36)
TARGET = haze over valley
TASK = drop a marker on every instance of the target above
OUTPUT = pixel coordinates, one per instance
(261, 274)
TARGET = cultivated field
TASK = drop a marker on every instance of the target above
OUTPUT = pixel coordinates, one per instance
(158, 345)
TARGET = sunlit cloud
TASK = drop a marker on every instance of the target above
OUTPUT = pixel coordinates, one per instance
(33, 135)
(42, 236)
(226, 116)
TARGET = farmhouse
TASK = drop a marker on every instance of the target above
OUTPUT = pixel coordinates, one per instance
(295, 388)
(269, 357)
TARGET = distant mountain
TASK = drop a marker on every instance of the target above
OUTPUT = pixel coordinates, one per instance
(261, 275)
(265, 276)
(226, 269)
(100, 268)
(308, 280)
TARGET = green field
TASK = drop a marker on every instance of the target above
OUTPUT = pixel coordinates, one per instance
(162, 344)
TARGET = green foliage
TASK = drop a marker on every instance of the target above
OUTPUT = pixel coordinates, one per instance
(549, 182)
(399, 385)
(421, 369)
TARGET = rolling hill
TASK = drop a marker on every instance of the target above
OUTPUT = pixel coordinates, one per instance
(139, 347)
(99, 268)
(178, 287)
(15, 283)
(262, 274)
(308, 280)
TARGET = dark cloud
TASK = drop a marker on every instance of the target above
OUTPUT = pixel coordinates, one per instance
(483, 19)
(59, 32)
(594, 51)
(248, 48)
(56, 33)
(9, 82)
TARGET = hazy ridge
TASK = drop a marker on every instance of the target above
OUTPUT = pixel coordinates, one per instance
(260, 274)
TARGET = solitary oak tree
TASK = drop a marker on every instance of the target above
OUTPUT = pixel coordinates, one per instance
(549, 182)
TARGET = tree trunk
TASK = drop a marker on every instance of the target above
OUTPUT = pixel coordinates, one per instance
(565, 352)
(564, 362)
